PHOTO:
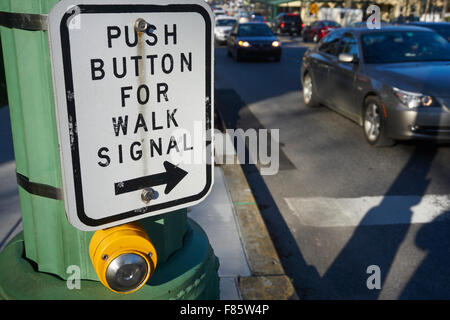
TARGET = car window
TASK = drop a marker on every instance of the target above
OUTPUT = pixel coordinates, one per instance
(329, 44)
(225, 22)
(404, 46)
(247, 30)
(444, 31)
(348, 45)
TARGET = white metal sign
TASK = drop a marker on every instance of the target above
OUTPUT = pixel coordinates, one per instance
(133, 82)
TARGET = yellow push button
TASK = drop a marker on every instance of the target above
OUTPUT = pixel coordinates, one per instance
(123, 257)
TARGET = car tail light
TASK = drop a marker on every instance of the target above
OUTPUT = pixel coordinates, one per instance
(282, 25)
(303, 25)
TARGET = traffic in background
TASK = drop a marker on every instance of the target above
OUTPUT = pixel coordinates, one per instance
(360, 205)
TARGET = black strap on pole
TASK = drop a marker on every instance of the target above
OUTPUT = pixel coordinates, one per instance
(24, 21)
(39, 189)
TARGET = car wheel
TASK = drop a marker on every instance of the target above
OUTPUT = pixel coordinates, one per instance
(374, 123)
(305, 38)
(309, 97)
(316, 38)
(228, 52)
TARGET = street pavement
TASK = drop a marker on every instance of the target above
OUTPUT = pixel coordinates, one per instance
(337, 207)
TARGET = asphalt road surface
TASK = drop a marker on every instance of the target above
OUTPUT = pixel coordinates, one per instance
(349, 221)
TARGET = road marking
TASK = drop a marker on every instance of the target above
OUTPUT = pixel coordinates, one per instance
(374, 210)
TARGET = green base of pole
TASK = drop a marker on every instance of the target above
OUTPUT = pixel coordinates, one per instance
(190, 273)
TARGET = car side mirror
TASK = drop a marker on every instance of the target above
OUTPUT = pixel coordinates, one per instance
(347, 58)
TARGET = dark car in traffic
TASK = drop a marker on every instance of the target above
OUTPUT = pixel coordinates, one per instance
(318, 29)
(443, 28)
(290, 23)
(257, 17)
(393, 81)
(253, 39)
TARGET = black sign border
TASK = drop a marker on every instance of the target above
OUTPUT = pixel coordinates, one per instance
(71, 109)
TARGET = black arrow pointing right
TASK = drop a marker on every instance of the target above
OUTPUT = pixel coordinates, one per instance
(170, 178)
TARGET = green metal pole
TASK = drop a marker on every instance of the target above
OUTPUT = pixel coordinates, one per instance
(35, 264)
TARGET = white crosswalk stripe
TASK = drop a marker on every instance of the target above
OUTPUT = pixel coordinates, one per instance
(371, 210)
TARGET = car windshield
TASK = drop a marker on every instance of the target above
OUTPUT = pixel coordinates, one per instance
(330, 24)
(225, 22)
(404, 46)
(252, 30)
(444, 31)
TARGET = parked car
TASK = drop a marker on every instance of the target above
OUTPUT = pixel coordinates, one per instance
(319, 29)
(443, 28)
(253, 39)
(392, 81)
(287, 23)
(224, 24)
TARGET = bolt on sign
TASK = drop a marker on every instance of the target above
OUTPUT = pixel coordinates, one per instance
(133, 85)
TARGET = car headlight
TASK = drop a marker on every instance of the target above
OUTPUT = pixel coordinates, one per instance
(243, 44)
(414, 100)
(276, 43)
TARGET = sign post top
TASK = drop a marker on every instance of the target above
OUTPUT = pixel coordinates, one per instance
(133, 87)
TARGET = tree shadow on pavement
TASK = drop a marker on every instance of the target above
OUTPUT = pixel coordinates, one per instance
(375, 241)
(432, 277)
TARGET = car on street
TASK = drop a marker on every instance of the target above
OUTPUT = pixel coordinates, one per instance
(224, 24)
(290, 23)
(257, 17)
(392, 81)
(253, 39)
(219, 12)
(443, 28)
(318, 29)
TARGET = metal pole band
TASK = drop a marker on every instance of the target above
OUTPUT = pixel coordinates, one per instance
(24, 21)
(39, 189)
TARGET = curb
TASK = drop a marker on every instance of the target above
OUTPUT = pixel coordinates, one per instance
(268, 280)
